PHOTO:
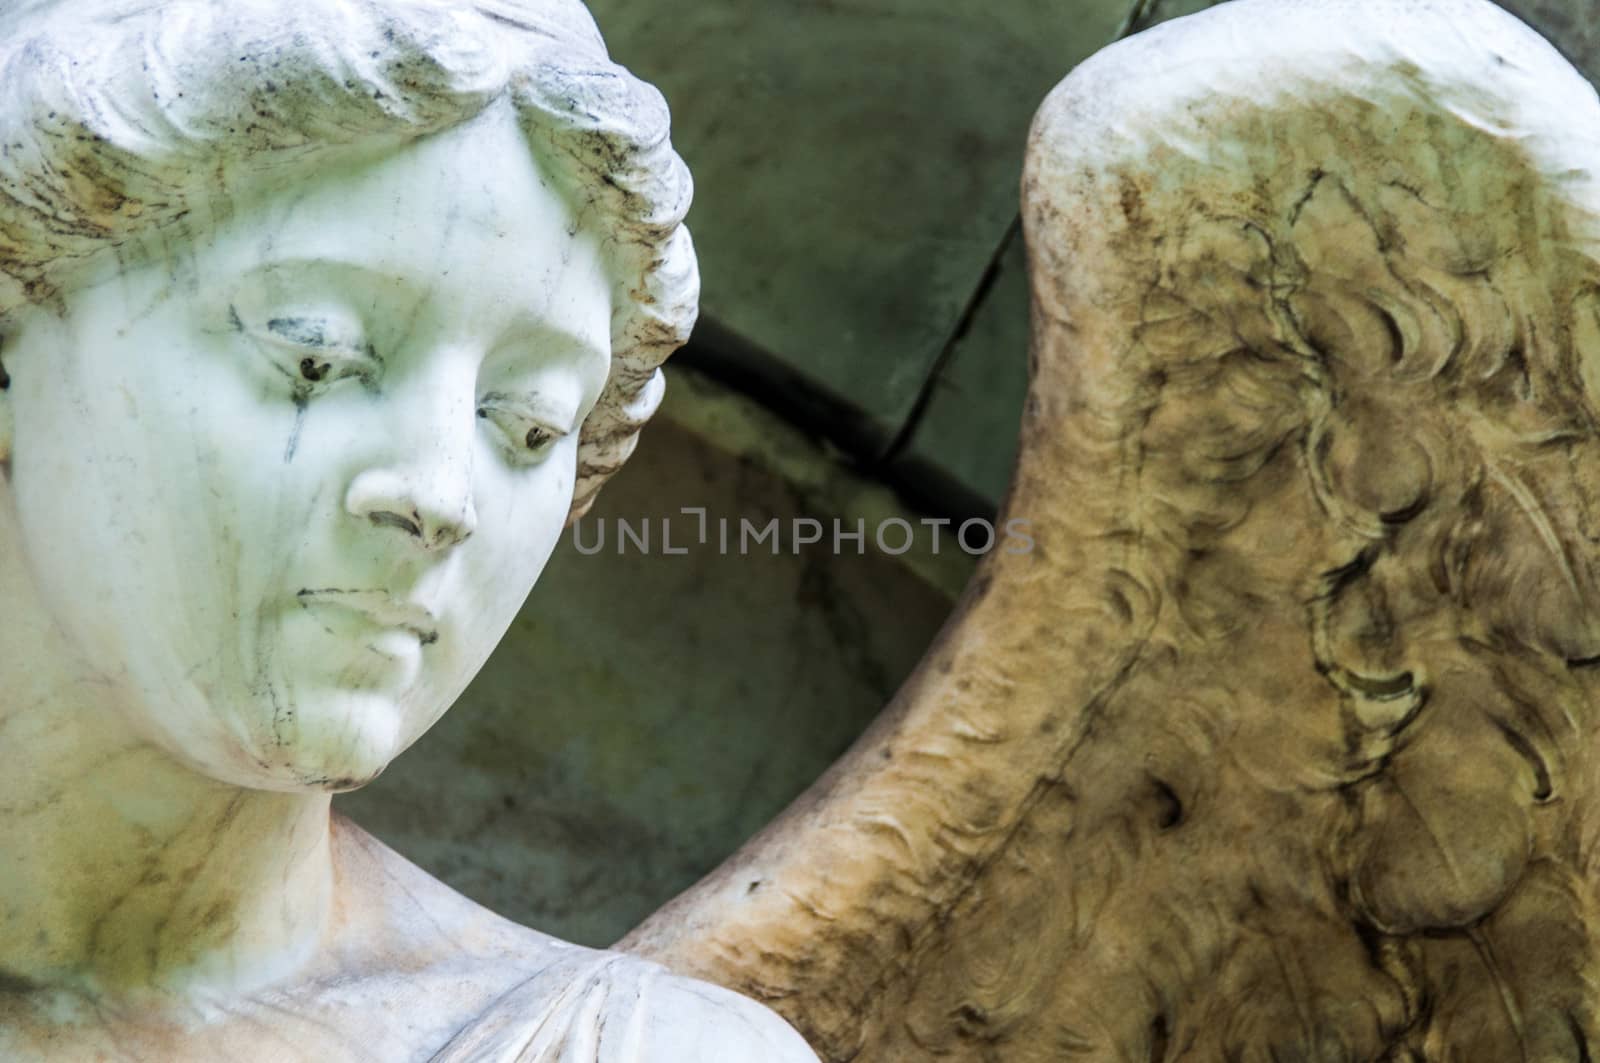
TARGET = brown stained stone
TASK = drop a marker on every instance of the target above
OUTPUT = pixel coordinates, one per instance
(1280, 744)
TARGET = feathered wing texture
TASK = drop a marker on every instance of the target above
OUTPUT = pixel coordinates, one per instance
(1278, 746)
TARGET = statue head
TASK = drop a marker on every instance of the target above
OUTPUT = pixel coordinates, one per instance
(318, 322)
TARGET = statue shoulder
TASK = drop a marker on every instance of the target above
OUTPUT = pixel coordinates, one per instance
(689, 1021)
(588, 1006)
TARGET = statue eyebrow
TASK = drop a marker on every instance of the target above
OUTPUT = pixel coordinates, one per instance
(529, 330)
(297, 271)
(528, 337)
(525, 328)
(304, 330)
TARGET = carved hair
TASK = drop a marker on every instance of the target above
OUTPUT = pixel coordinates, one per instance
(119, 118)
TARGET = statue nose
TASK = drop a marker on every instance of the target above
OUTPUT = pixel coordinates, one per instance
(418, 480)
(431, 505)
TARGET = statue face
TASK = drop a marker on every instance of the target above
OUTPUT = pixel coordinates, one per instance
(285, 490)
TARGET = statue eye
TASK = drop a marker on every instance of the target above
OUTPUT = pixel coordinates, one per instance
(315, 370)
(523, 433)
(314, 350)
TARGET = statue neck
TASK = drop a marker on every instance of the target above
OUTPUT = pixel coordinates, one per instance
(127, 872)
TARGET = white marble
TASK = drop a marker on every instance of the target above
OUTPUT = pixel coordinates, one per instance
(319, 321)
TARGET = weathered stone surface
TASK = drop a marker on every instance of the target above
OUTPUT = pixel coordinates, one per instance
(1282, 743)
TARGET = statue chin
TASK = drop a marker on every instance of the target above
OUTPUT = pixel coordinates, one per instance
(339, 740)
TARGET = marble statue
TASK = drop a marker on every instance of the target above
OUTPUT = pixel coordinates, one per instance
(1282, 742)
(318, 320)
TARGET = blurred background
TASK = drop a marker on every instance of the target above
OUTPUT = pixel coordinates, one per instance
(861, 356)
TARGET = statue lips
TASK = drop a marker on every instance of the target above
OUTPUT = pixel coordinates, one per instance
(404, 627)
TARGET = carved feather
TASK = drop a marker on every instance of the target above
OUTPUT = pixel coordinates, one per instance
(1278, 745)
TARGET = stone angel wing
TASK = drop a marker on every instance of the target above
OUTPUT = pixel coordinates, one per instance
(1280, 743)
